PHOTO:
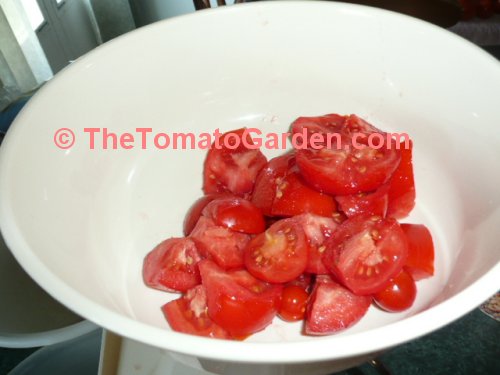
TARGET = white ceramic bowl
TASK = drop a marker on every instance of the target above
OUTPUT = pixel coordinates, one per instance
(80, 221)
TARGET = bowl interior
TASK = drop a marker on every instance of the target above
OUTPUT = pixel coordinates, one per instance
(81, 220)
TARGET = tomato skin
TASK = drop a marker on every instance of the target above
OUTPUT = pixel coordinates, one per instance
(279, 254)
(401, 192)
(222, 245)
(373, 203)
(171, 265)
(333, 308)
(236, 214)
(420, 261)
(351, 167)
(398, 295)
(196, 209)
(293, 303)
(188, 314)
(237, 301)
(317, 230)
(233, 171)
(365, 252)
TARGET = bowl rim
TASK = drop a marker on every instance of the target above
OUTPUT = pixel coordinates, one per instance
(251, 352)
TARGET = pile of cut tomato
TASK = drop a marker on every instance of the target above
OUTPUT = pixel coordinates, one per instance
(312, 235)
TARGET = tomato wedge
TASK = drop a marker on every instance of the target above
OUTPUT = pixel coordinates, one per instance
(351, 166)
(420, 261)
(188, 314)
(373, 203)
(398, 295)
(195, 210)
(279, 254)
(236, 214)
(365, 252)
(317, 230)
(303, 129)
(237, 301)
(333, 308)
(220, 244)
(281, 191)
(171, 266)
(232, 170)
(401, 192)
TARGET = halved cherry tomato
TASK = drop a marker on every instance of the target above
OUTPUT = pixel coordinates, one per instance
(293, 303)
(420, 261)
(237, 301)
(281, 191)
(234, 171)
(236, 214)
(195, 210)
(333, 308)
(398, 295)
(402, 186)
(365, 252)
(353, 166)
(373, 203)
(279, 254)
(171, 266)
(188, 314)
(317, 230)
(222, 245)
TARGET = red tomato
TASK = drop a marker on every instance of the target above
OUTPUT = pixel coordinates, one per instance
(365, 252)
(373, 203)
(188, 314)
(233, 171)
(402, 186)
(195, 210)
(281, 191)
(236, 214)
(279, 254)
(220, 244)
(333, 308)
(171, 266)
(317, 230)
(352, 168)
(237, 301)
(420, 261)
(303, 129)
(398, 295)
(293, 303)
(304, 281)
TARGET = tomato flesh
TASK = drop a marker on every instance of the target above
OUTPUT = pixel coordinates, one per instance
(232, 170)
(220, 244)
(279, 254)
(188, 314)
(171, 265)
(236, 214)
(401, 194)
(398, 295)
(420, 261)
(333, 308)
(237, 301)
(365, 252)
(317, 230)
(196, 209)
(373, 203)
